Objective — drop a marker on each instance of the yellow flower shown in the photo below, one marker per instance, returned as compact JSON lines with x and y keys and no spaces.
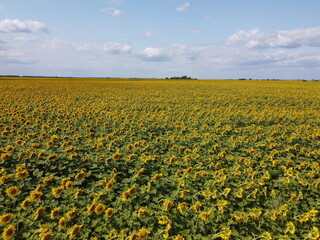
{"x":226,"y":191}
{"x":46,"y":236}
{"x":196,"y":207}
{"x":163,"y":220}
{"x":69,"y":184}
{"x":143,"y":233}
{"x":25,"y":203}
{"x":39,"y":212}
{"x":35,"y":196}
{"x":179,"y":237}
{"x":225,"y":234}
{"x":72,"y":214}
{"x":139,"y":173}
{"x":54,"y":213}
{"x":62,"y":223}
{"x":167,"y":205}
{"x":204,"y":215}
{"x":52,"y":157}
{"x":267,"y":236}
{"x":91,"y":208}
{"x":255,"y":213}
{"x":6,"y":218}
{"x":13,"y":191}
{"x":141,"y":212}
{"x":184,"y":193}
{"x":99,"y":209}
{"x":80,"y":175}
{"x":77,"y":193}
{"x":22,"y":174}
{"x":157,"y":177}
{"x":181,"y":207}
{"x":109,"y":185}
{"x":167,"y":231}
{"x":108,"y":212}
{"x":9,"y":232}
{"x":314,"y":234}
{"x":56,"y":192}
{"x":222,"y":205}
{"x":75,"y":230}
{"x":312,"y":214}
{"x":290,"y":227}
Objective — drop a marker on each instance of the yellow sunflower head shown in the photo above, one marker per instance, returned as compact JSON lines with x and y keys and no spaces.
{"x":13,"y":191}
{"x":9,"y":232}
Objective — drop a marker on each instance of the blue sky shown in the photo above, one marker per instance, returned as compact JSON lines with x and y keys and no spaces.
{"x":143,"y":38}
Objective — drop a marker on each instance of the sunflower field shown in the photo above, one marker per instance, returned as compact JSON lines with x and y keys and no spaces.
{"x":159,"y":159}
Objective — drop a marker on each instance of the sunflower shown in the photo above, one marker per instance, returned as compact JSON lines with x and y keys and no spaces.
{"x":181,"y":207}
{"x":6,"y":218}
{"x":47,"y":236}
{"x":143,"y":233}
{"x":108,"y":212}
{"x":167,"y":205}
{"x":56,"y":192}
{"x":179,"y":237}
{"x":10,"y":148}
{"x":69,"y":184}
{"x":77,"y":193}
{"x":290,"y":227}
{"x":39,"y":212}
{"x":314,"y":234}
{"x":204,"y":215}
{"x":157,"y":177}
{"x":80,"y":175}
{"x":184,"y":193}
{"x":13,"y":191}
{"x":72,"y":214}
{"x":6,"y":178}
{"x":91,"y":208}
{"x":48,"y":179}
{"x":109,"y":185}
{"x":75,"y":230}
{"x":25,"y":203}
{"x":35,"y":196}
{"x":62,"y":223}
{"x":22,"y":174}
{"x":116,"y":156}
{"x":196,"y":207}
{"x":52,"y":156}
{"x":54,"y":213}
{"x":141,"y":212}
{"x":225,"y":233}
{"x":8,"y":232}
{"x":99,"y":209}
{"x":5,"y":156}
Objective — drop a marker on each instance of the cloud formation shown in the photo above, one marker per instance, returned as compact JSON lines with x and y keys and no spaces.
{"x":15,"y":25}
{"x":113,"y":11}
{"x":116,"y":48}
{"x":154,"y":54}
{"x":183,"y":7}
{"x":147,"y":35}
{"x":309,"y":37}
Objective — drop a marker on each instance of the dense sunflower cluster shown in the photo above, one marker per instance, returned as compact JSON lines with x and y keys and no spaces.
{"x":159,"y":159}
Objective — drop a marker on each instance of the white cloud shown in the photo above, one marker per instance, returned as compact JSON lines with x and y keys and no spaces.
{"x":116,"y":48}
{"x":154,"y":54}
{"x":281,"y":39}
{"x":193,"y":30}
{"x":183,"y":7}
{"x":113,"y":11}
{"x":15,"y":25}
{"x":147,"y":35}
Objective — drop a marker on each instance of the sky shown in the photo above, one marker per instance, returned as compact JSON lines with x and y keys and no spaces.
{"x":204,"y":39}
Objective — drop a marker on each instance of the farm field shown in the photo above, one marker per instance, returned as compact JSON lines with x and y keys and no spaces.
{"x":159,"y":159}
